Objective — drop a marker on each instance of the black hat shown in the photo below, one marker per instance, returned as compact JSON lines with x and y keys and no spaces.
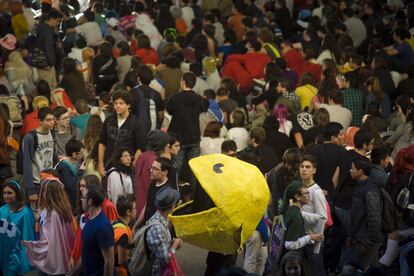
{"x":157,"y":140}
{"x":166,"y":198}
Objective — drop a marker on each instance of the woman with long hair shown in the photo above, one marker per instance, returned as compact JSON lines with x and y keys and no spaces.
{"x":234,"y":94}
{"x":92,"y":133}
{"x":164,"y":20}
{"x":72,"y":80}
{"x":377,"y":95}
{"x":329,"y":49}
{"x":51,"y":253}
{"x":21,"y":222}
{"x":87,"y":56}
{"x":120,"y":174}
{"x":20,"y":74}
{"x":380,"y":70}
{"x":281,"y":175}
{"x":104,"y":69}
{"x":92,"y":161}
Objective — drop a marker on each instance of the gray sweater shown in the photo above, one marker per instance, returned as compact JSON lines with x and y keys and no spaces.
{"x":36,"y":159}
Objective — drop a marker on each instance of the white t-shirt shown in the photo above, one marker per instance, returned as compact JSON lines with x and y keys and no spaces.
{"x":188,"y":16}
{"x":356,"y":30}
{"x":91,"y":32}
{"x":210,"y":145}
{"x":338,"y":114}
{"x":76,"y":54}
{"x":240,"y":136}
{"x":286,"y":127}
{"x":200,"y":86}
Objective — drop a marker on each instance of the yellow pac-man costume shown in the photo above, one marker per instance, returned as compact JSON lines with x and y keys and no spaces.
{"x":239,"y":195}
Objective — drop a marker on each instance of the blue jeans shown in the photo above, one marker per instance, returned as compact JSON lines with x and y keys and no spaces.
{"x":186,"y":153}
{"x":405,"y":269}
{"x":340,"y":257}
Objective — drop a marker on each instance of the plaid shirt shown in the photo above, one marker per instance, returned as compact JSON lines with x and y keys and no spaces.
{"x":291,"y":101}
{"x":159,"y":242}
{"x":354,"y":101}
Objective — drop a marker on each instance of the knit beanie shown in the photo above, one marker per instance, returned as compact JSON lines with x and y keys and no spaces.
{"x":290,"y":192}
{"x":157,"y":140}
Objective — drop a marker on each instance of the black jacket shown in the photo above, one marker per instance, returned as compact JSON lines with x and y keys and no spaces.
{"x":45,"y":41}
{"x":131,"y":134}
{"x":185,"y":108}
{"x":366,"y":213}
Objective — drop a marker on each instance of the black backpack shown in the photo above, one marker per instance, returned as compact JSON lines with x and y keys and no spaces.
{"x":390,"y":216}
{"x":146,"y":109}
{"x":19,"y":156}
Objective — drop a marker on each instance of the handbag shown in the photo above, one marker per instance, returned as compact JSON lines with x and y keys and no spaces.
{"x":39,"y":59}
{"x":173,"y":269}
{"x":404,"y":196}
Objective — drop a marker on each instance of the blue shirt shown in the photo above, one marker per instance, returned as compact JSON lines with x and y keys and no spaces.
{"x":15,"y":227}
{"x":405,"y":54}
{"x":97,"y":234}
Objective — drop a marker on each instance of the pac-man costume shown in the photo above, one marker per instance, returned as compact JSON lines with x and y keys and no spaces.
{"x":239,"y":195}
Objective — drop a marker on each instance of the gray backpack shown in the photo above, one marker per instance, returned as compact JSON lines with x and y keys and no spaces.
{"x":140,"y":264}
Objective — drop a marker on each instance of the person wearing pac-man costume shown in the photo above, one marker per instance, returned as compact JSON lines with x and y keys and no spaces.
{"x":215,"y":220}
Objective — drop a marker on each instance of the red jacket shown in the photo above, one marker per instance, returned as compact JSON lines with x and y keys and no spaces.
{"x":244,"y":68}
{"x":295,"y":60}
{"x":314,"y":69}
{"x":148,"y":56}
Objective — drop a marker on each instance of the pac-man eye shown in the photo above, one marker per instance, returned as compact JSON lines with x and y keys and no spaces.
{"x":217,"y":168}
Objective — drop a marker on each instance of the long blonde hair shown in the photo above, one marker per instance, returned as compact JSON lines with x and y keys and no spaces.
{"x":21,"y":69}
{"x":87,"y":56}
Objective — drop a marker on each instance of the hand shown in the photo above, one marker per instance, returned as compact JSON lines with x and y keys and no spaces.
{"x":316,"y":237}
{"x":71,"y":263}
{"x":177,"y":243}
{"x":325,"y":192}
{"x":101,"y":169}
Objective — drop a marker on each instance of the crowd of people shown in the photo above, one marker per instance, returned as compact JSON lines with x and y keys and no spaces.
{"x":103,"y":103}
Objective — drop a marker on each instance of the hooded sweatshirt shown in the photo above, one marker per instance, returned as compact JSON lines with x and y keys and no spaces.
{"x":185,"y":108}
